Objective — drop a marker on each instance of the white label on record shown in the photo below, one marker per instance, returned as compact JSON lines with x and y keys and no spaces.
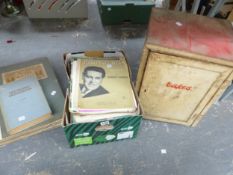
{"x":125,"y":135}
{"x":21,"y":118}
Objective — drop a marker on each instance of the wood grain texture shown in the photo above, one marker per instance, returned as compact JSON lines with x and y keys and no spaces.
{"x":218,"y":93}
{"x":141,"y":69}
{"x":177,"y":89}
{"x":230,"y":17}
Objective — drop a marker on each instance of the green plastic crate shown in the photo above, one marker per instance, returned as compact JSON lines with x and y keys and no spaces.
{"x":121,"y":11}
{"x":87,"y":134}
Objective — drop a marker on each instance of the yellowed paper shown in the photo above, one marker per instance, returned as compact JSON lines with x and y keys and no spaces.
{"x":102,"y":84}
{"x":37,"y":70}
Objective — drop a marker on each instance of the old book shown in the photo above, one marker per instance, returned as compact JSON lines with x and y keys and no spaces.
{"x":23,"y":104}
{"x":101,"y":86}
{"x":37,"y":69}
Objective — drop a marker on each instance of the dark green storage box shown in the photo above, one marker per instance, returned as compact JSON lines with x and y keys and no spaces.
{"x":121,"y":11}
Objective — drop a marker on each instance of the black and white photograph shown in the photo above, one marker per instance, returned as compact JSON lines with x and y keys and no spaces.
{"x":92,"y":77}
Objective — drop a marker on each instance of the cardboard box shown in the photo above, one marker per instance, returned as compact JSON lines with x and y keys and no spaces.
{"x":120,"y":11}
{"x":101,"y":131}
{"x":51,"y":89}
{"x":187,"y":63}
{"x":56,"y":9}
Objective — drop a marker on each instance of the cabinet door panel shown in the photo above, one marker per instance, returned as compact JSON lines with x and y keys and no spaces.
{"x":174,"y":88}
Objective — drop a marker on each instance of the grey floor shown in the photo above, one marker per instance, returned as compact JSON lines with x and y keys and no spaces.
{"x":159,"y":149}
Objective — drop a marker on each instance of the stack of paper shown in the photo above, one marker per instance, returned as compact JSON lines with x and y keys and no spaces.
{"x":101,"y":89}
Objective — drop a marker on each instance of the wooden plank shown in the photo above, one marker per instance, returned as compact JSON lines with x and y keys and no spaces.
{"x":217,"y":89}
{"x":220,"y":91}
{"x":230,"y":17}
{"x":149,"y":117}
{"x":189,"y":55}
{"x":141,"y":68}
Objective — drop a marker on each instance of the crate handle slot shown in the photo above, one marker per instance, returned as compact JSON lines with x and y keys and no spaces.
{"x":104,"y":127}
{"x":127,"y":21}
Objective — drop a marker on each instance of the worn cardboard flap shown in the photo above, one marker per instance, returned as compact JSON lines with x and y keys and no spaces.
{"x":94,"y":53}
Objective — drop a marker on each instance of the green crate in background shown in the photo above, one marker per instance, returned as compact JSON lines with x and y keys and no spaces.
{"x":119,"y":11}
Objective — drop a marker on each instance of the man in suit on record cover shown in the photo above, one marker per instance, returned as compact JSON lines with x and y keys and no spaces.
{"x":92,"y":78}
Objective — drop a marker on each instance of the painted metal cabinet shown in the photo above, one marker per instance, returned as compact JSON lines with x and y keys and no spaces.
{"x":187,"y":63}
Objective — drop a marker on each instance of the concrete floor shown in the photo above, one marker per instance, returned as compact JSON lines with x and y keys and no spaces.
{"x":159,"y":149}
